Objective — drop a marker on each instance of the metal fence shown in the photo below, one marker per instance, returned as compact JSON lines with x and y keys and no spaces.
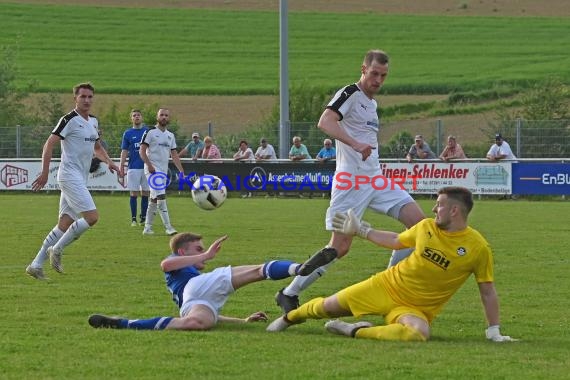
{"x":528,"y":139}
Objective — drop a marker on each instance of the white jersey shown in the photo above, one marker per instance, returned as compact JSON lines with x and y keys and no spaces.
{"x":358,"y":118}
{"x":78,"y":136}
{"x":159,"y":146}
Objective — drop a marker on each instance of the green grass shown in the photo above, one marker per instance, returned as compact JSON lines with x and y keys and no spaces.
{"x":113,"y":269}
{"x":190,"y":51}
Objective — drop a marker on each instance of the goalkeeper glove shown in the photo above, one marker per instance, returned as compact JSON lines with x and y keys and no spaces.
{"x":350,"y":225}
{"x":494,"y":334}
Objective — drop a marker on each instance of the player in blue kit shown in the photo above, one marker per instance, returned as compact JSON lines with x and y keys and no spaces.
{"x":200,"y":296}
{"x":136,"y":179}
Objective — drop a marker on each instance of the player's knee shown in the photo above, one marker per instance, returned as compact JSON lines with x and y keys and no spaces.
{"x":92,"y":219}
{"x":193,"y":323}
{"x":418,"y":329}
{"x":341,"y":248}
{"x":416,"y":333}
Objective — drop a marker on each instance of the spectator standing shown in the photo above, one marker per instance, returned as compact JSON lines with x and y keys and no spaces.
{"x":420,"y":150}
{"x":452,"y":150}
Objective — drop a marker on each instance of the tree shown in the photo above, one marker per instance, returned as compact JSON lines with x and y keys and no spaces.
{"x":544,"y":119}
{"x":398,"y":145}
{"x":12,"y":107}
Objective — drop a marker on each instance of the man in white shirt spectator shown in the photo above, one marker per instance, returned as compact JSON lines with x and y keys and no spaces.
{"x":265,"y":151}
{"x":500,"y":150}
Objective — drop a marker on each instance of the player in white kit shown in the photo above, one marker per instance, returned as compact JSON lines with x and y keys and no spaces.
{"x":351,"y":119}
{"x":77,"y":132}
{"x":158,"y":144}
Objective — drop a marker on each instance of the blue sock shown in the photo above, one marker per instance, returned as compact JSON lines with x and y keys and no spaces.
{"x":133,"y":207}
{"x":158,"y":323}
{"x":144,"y":206}
{"x":279,"y":269}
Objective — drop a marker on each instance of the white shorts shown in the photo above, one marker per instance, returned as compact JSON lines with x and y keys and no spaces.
{"x":210,"y":289}
{"x":136,"y":180}
{"x":74,"y":199}
{"x":157,"y":182}
{"x":388,"y":200}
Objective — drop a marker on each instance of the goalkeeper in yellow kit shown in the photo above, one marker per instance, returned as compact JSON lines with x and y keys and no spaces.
{"x":412,"y":293}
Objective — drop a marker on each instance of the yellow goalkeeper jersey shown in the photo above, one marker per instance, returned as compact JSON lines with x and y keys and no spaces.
{"x":441,"y":262}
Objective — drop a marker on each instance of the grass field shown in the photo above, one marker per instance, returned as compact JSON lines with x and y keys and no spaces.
{"x":113,"y":269}
{"x":199,"y":51}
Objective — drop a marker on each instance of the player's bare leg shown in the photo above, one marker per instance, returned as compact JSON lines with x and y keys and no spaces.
{"x":288,"y":298}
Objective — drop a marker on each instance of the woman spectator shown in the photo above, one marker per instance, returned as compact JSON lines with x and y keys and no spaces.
{"x":452,"y":150}
{"x":210,"y":151}
{"x":244,"y":153}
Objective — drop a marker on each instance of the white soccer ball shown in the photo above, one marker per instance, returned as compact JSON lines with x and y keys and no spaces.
{"x":209,"y":192}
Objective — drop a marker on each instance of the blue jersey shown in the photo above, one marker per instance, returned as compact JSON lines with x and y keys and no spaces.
{"x":132,"y":142}
{"x":176,"y":280}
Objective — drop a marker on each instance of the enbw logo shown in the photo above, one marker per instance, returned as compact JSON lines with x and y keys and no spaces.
{"x":436,"y":257}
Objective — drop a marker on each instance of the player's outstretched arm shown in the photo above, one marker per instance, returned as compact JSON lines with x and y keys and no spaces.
{"x":258,"y":316}
{"x":177,"y":262}
{"x":348,"y":223}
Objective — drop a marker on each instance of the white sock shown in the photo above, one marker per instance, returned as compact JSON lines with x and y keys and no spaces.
{"x":301,"y":283}
{"x":163,"y":209}
{"x":399,"y":255}
{"x":293,"y":268}
{"x":51,"y":239}
{"x":74,"y":231}
{"x":150,"y":213}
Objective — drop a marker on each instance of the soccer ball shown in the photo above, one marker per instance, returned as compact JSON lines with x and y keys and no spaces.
{"x":209,"y":192}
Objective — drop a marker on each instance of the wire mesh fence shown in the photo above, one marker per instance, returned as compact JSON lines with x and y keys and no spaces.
{"x":528,"y":139}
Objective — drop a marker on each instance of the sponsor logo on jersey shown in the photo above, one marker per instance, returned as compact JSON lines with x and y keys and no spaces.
{"x":436,"y":257}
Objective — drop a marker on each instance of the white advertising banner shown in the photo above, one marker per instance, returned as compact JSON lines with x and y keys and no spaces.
{"x":416,"y":177}
{"x":19,"y":175}
{"x":429,"y":177}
